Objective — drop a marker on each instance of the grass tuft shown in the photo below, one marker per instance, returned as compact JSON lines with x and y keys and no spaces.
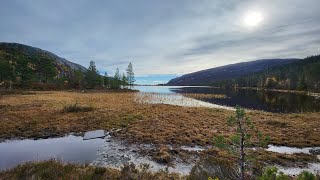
{"x":75,"y":107}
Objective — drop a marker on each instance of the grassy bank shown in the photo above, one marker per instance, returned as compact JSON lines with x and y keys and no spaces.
{"x":43,"y":114}
{"x":57,"y":170}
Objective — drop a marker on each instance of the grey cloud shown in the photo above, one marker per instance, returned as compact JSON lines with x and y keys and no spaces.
{"x":162,"y":37}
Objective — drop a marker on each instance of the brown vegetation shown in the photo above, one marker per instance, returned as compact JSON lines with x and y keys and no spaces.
{"x":39,"y":114}
{"x":57,"y":170}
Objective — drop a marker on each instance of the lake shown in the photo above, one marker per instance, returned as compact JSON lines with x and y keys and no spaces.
{"x":270,"y":101}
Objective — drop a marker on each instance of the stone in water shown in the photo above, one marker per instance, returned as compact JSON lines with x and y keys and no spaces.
{"x":94,"y":134}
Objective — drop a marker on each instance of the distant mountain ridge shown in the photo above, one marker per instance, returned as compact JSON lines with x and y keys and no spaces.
{"x":212,"y":75}
{"x":61,"y":63}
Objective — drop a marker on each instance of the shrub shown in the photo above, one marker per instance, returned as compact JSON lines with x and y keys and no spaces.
{"x":272,"y":173}
{"x":214,"y":167}
{"x":305,"y":175}
{"x":163,"y":155}
{"x":75,"y":107}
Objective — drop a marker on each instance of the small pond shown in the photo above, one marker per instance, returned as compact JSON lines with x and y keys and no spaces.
{"x":69,"y":149}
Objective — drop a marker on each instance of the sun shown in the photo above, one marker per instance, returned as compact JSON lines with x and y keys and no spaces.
{"x":253,"y":18}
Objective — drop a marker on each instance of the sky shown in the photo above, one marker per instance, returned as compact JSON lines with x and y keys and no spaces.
{"x":164,"y":39}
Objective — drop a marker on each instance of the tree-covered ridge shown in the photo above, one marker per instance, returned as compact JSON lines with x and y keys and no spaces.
{"x":28,"y":64}
{"x":19,"y":67}
{"x":227,"y":72}
{"x":23,"y":66}
{"x":299,"y":75}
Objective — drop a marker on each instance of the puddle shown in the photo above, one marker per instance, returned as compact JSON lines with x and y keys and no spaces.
{"x":289,"y":150}
{"x":68,"y":149}
{"x":107,"y":152}
{"x":196,"y":148}
{"x":311,"y":167}
{"x":111,"y":152}
{"x":174,"y":99}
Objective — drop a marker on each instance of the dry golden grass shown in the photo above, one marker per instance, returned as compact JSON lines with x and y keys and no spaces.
{"x":41,"y":115}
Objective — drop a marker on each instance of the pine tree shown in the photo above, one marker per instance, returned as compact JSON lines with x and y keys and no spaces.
{"x":92,"y":77}
{"x":116,"y":81}
{"x":242,"y":138}
{"x":77,"y":79}
{"x":44,"y":68}
{"x":6,"y":72}
{"x":130,"y":75}
{"x":106,"y":80}
{"x":124,"y":80}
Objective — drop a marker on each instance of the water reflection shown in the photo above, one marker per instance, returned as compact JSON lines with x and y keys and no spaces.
{"x":69,"y":149}
{"x":271,"y":101}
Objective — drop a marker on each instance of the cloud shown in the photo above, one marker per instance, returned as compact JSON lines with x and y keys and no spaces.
{"x":162,"y":37}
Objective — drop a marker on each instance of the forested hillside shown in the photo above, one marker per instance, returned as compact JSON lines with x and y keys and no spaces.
{"x":26,"y":67}
{"x":227,"y":72}
{"x":300,"y":75}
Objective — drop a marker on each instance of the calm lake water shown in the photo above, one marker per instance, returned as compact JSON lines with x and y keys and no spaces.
{"x":279,"y":102}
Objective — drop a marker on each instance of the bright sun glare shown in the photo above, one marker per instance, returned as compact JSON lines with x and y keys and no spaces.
{"x":253,"y":18}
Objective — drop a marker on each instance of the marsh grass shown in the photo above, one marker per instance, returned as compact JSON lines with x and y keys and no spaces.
{"x":40,"y":115}
{"x":53,"y":169}
{"x":76,"y":107}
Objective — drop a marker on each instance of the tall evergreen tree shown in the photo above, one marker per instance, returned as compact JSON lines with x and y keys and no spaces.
{"x":44,"y":68}
{"x":106,"y":80}
{"x":92,"y":77}
{"x":124,"y":80}
{"x":6,"y":71}
{"x":77,"y":79}
{"x":130,"y":75}
{"x":116,"y":81}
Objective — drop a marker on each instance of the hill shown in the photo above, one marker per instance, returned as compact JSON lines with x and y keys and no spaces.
{"x":24,"y":65}
{"x":210,"y":76}
{"x":288,"y":74}
{"x":29,"y":52}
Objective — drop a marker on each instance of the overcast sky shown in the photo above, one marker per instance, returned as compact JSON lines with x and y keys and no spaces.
{"x":164,"y":38}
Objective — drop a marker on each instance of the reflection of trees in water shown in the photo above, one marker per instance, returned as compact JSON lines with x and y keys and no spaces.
{"x":270,"y":99}
{"x":261,"y":100}
{"x":289,"y":102}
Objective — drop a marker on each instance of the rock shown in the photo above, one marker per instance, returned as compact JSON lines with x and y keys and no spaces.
{"x":315,"y":151}
{"x":94,"y":134}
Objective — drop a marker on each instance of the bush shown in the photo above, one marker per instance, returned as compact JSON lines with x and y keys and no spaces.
{"x":75,"y":107}
{"x":163,"y":155}
{"x":214,"y":167}
{"x":305,"y":175}
{"x":272,"y":173}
